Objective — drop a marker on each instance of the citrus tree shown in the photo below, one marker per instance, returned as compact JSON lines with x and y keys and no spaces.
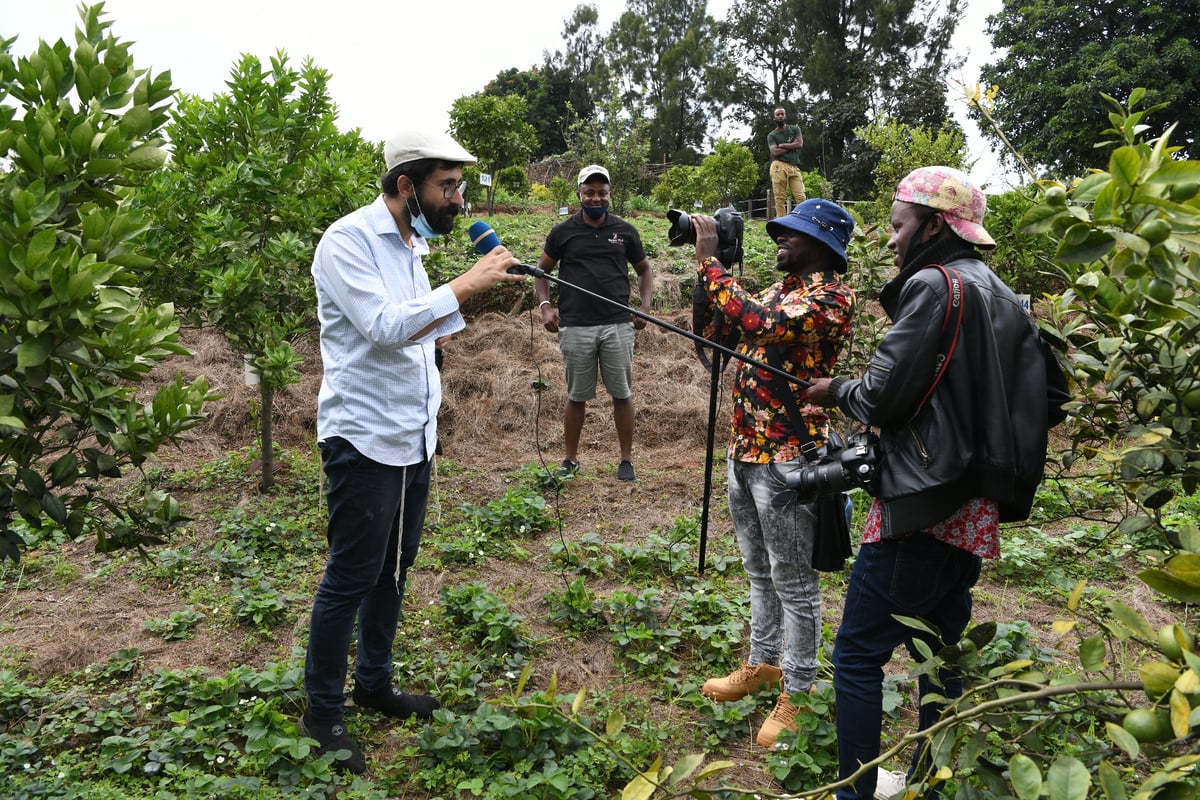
{"x":494,"y":130}
{"x":256,"y":176}
{"x":1129,"y":245}
{"x":78,"y":127}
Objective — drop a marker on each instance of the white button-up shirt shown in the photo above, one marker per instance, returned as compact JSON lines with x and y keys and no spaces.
{"x":381,"y":390}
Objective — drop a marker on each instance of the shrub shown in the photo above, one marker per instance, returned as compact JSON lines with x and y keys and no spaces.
{"x":513,"y":180}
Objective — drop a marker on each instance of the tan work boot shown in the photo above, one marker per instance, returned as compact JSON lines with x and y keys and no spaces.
{"x":743,"y":681}
{"x":783,"y":718}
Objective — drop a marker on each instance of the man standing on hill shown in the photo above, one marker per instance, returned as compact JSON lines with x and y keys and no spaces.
{"x":377,"y":421}
{"x":595,"y":247}
{"x":957,"y":389}
{"x":784,"y":143}
{"x":797,"y":325}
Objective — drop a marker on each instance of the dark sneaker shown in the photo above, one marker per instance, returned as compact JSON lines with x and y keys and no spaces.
{"x":568,"y":469}
{"x":395,"y":703}
{"x":625,"y":471}
{"x":332,"y":738}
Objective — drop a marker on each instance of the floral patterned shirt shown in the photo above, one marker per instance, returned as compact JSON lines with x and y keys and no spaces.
{"x":806,"y":318}
{"x":975,"y":527}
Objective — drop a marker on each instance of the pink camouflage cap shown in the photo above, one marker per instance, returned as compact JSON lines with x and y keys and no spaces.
{"x":951,"y":192}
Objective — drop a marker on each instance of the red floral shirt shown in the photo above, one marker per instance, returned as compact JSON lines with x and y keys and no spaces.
{"x":975,"y":527}
{"x":806,"y":318}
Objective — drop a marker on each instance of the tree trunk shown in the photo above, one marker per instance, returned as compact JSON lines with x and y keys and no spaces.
{"x":267,"y":456}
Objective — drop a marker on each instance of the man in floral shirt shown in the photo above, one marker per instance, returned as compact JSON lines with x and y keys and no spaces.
{"x":798,"y":325}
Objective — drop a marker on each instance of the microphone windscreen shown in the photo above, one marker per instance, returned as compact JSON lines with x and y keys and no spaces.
{"x":483,"y":237}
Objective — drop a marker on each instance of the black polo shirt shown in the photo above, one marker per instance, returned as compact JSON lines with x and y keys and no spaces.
{"x":595,"y":259}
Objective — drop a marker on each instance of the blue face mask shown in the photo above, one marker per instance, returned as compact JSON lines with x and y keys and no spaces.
{"x":421,"y":226}
{"x":596,"y":212}
{"x":419,"y":223}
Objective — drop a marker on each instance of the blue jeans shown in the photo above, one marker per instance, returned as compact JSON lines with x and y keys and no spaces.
{"x":376,"y":513}
{"x":917,"y":576}
{"x":775,"y":534}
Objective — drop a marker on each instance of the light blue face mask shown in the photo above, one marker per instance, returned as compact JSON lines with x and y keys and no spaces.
{"x":421,"y":226}
{"x":419,"y":223}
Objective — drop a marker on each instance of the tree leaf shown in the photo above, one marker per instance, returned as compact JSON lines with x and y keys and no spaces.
{"x":1123,"y":739}
{"x":1180,"y":709}
{"x":1124,"y":165}
{"x":1093,"y":653}
{"x":685,"y":767}
{"x":1026,"y":777}
{"x":1068,"y":779}
{"x":1131,"y":620}
{"x":1170,"y":585}
{"x":1093,"y":246}
{"x":1110,"y":779}
{"x":642,"y":786}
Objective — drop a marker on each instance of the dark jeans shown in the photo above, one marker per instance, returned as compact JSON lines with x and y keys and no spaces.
{"x":367,"y":501}
{"x":917,"y":576}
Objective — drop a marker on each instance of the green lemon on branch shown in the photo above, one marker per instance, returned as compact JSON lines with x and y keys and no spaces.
{"x":1147,"y":725}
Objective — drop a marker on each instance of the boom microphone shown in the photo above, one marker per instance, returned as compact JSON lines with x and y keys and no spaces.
{"x":485,"y":241}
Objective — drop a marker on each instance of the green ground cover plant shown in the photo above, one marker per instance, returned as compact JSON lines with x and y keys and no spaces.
{"x":563,"y":623}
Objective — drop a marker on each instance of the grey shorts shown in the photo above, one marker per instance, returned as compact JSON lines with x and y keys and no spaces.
{"x":607,"y":349}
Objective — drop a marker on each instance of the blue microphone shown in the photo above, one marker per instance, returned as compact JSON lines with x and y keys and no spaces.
{"x":485,"y":241}
{"x":483,"y":237}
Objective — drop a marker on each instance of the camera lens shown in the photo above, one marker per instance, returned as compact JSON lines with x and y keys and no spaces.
{"x":681,"y":231}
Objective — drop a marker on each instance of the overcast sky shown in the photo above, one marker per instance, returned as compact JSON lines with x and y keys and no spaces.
{"x":394,"y":63}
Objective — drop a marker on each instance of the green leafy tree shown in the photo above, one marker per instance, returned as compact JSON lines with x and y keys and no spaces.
{"x":494,"y":130}
{"x":1129,"y":245}
{"x":730,"y":171}
{"x":764,"y":42}
{"x":619,"y":142}
{"x":898,"y":149}
{"x":723,"y":176}
{"x":256,"y":176}
{"x":549,"y":94}
{"x":581,"y":60}
{"x":78,"y":128}
{"x":1049,"y":99}
{"x":664,"y":59}
{"x":761,"y":42}
{"x":681,"y":187}
{"x":866,"y":60}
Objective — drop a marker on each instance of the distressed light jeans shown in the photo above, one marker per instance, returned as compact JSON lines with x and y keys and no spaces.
{"x":775,"y":535}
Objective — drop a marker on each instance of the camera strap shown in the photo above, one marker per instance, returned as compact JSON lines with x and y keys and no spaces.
{"x":954,"y":310}
{"x":808,"y":445}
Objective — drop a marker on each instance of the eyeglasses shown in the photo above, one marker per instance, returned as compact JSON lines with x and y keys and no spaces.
{"x":451,"y":187}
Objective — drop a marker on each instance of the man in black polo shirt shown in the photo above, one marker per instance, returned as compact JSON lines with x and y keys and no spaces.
{"x":594,"y":248}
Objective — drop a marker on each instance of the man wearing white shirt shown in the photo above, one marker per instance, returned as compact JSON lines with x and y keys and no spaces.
{"x":377,"y":421}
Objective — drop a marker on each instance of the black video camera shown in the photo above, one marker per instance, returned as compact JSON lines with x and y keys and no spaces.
{"x":842,"y":467}
{"x":730,"y":227}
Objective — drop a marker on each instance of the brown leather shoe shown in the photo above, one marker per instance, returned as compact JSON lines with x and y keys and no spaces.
{"x":783,"y":718}
{"x":744,"y":680}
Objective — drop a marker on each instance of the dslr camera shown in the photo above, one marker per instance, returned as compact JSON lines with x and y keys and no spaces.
{"x":844,"y":466}
{"x":730,"y":226}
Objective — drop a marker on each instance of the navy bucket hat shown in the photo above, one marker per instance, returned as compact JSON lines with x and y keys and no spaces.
{"x":823,"y":220}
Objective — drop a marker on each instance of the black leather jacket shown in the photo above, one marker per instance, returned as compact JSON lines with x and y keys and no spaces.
{"x":982,"y":431}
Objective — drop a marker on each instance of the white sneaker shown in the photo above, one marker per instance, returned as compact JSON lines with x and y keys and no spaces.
{"x":890,"y":785}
